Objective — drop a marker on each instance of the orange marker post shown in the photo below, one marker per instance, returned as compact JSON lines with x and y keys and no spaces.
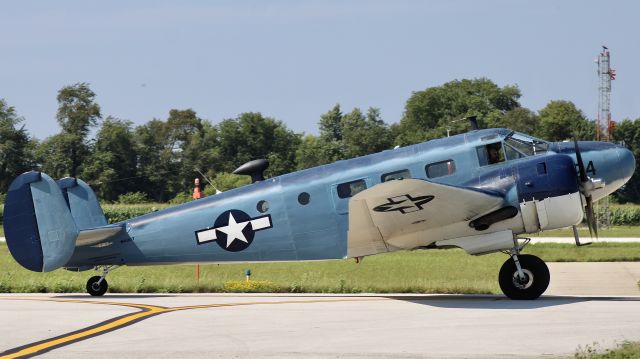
{"x":197,"y":194}
{"x":197,"y":276}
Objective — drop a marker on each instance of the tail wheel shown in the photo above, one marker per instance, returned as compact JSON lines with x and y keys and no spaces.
{"x":535,"y":282}
{"x":95,"y":287}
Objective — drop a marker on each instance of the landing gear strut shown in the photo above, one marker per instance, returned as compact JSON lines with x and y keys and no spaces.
{"x":97,"y":285}
{"x":523,"y":276}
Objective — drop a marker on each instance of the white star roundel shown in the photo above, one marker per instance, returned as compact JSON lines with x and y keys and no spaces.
{"x":233,"y":230}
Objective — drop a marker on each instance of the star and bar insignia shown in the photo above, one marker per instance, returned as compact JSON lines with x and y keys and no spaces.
{"x":234,"y":230}
{"x":404,"y":204}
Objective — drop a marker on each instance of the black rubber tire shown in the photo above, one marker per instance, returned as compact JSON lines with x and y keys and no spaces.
{"x":96,"y":289}
{"x":530,"y":264}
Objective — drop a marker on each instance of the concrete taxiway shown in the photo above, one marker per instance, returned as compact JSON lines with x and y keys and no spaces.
{"x":573,"y":313}
{"x":249,"y":326}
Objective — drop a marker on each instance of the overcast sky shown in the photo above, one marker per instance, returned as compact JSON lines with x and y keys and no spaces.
{"x":293,"y":60}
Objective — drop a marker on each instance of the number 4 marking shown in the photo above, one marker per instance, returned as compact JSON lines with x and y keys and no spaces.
{"x":591,"y":168}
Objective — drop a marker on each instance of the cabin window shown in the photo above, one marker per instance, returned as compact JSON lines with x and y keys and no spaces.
{"x":441,"y":169}
{"x":350,"y":189}
{"x":304,"y":198}
{"x":490,"y":154}
{"x":262,"y":206}
{"x":397,"y":175}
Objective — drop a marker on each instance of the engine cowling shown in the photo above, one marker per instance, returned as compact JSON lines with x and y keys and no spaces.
{"x":548,"y":193}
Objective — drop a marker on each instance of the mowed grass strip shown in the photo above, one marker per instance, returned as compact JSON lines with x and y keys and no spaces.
{"x":420,"y":271}
{"x":622,"y":351}
{"x":583,"y":232}
{"x":595,"y":252}
{"x":441,"y":271}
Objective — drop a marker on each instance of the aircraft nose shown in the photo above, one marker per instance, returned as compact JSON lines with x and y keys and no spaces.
{"x":613,"y":164}
{"x":626,"y":163}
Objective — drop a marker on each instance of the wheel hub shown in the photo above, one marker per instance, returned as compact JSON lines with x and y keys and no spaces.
{"x":525,"y":282}
{"x":95,"y":286}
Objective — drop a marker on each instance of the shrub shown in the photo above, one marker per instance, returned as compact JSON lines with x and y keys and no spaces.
{"x":119,"y":213}
{"x":251,"y":286}
{"x":63,"y":286}
{"x":625,"y":215}
{"x":182,"y":197}
{"x":133,"y":198}
{"x":6,"y":283}
{"x":226,"y":181}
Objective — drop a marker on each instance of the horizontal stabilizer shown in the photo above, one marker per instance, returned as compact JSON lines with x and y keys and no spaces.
{"x":90,"y":237}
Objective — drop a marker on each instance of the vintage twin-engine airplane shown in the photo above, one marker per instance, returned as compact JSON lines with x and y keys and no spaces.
{"x":479,"y":191}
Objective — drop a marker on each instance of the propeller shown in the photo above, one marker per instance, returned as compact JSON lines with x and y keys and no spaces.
{"x":586,"y":186}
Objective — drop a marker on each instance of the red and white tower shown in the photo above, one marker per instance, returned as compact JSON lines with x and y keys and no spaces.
{"x":605,"y":74}
{"x":605,"y":126}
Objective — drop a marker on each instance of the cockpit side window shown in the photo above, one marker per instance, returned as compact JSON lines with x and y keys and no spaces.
{"x":512,"y":153}
{"x":491,"y":153}
{"x":526,"y":146}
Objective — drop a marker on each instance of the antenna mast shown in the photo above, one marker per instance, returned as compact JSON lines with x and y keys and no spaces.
{"x":605,"y":74}
{"x":604,"y":125}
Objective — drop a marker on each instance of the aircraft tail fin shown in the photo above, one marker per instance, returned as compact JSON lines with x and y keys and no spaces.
{"x":39,"y":228}
{"x":83,"y":203}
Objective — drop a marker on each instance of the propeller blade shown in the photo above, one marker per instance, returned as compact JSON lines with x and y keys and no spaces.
{"x":581,"y":169}
{"x":591,"y":218}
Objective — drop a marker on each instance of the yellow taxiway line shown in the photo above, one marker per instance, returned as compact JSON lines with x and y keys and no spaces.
{"x":146,"y":311}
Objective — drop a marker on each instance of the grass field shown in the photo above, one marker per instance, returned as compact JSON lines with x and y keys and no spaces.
{"x":623,"y":351}
{"x":421,"y":271}
{"x":583,"y":232}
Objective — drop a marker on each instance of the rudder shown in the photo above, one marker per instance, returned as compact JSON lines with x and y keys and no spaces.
{"x":39,"y":229}
{"x":83,"y":203}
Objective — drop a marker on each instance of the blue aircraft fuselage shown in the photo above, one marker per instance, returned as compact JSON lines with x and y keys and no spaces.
{"x":304,"y":215}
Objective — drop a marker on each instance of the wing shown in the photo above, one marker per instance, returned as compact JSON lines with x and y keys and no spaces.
{"x":406,"y":213}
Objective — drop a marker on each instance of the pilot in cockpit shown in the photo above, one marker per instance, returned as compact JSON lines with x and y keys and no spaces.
{"x":493,"y":152}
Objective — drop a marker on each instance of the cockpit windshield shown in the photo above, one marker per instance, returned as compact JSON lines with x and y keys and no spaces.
{"x":518,"y":145}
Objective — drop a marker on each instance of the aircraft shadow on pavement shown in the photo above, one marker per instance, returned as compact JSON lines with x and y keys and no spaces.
{"x":501,"y":302}
{"x":113,"y":296}
{"x":479,"y":301}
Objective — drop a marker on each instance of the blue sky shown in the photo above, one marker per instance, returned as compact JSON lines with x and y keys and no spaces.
{"x":293,"y":60}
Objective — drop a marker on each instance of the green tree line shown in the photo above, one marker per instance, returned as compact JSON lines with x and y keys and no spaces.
{"x":160,"y":159}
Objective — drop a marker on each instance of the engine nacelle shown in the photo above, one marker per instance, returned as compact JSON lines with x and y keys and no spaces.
{"x":548,"y":193}
{"x":552,"y":212}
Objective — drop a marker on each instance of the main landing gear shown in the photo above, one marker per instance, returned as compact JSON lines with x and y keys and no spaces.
{"x":97,"y":285}
{"x":523,"y":276}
